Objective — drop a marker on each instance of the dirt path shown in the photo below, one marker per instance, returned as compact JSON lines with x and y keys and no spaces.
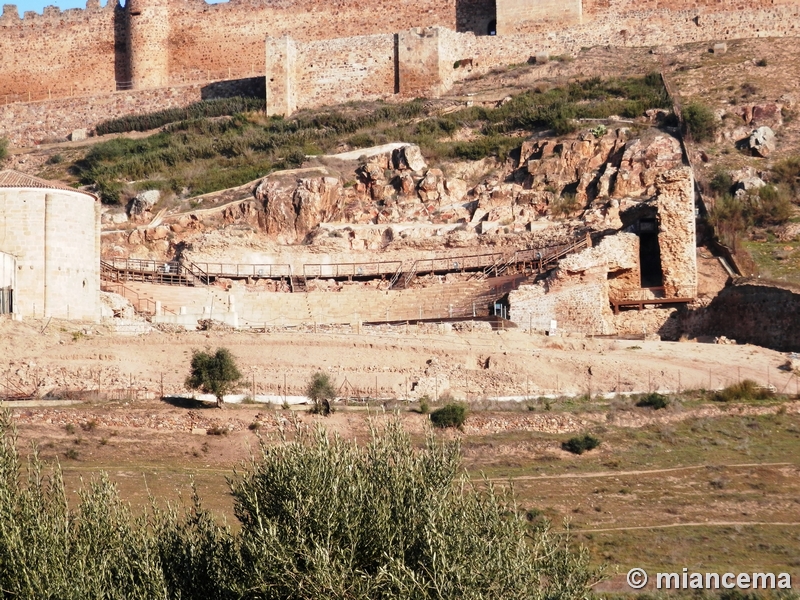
{"x":642,"y":472}
{"x":698,"y":524}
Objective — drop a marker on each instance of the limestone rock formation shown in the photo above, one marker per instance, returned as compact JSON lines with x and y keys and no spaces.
{"x":762,"y":142}
{"x":293,"y":205}
{"x":143,"y":202}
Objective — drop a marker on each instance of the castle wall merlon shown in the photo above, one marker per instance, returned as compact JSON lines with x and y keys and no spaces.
{"x":10,"y":12}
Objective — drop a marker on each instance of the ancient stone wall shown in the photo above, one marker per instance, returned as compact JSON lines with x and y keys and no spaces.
{"x":523,"y":16}
{"x":25,"y":124}
{"x":750,"y":311}
{"x":60,"y":53}
{"x":316,"y":71}
{"x":172,"y":42}
{"x":576,"y":294}
{"x":54,"y":236}
{"x":676,"y":235}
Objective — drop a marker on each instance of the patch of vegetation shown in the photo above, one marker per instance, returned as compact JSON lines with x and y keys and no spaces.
{"x":202,"y":155}
{"x":565,"y":204}
{"x":89,"y":425}
{"x":217,"y":430}
{"x":213,"y":373}
{"x":580,"y":444}
{"x":424,"y":405}
{"x":321,"y":392}
{"x":701,"y":124}
{"x":450,"y":415}
{"x":320,"y":517}
{"x":744,"y":390}
{"x":787,"y":172}
{"x":732,"y":215}
{"x":653,"y":400}
{"x":218,"y":107}
{"x":3,"y":148}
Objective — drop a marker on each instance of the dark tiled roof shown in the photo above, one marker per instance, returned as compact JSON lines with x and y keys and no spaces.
{"x":14,"y":179}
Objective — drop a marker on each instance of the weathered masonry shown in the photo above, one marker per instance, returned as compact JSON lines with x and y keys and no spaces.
{"x":66,"y":71}
{"x":49,"y":249}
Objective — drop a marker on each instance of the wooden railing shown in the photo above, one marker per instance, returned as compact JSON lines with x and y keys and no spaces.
{"x":141,"y":304}
{"x":341,"y":270}
{"x":186,"y":272}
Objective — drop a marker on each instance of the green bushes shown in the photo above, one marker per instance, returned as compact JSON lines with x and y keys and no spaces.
{"x":450,"y":415}
{"x":203,"y":154}
{"x":215,"y":373}
{"x":3,"y":148}
{"x":320,"y":517}
{"x":580,"y":444}
{"x":744,"y":390}
{"x":733,"y":215}
{"x":653,"y":400}
{"x":206,"y":108}
{"x":700,"y":121}
{"x":321,"y":392}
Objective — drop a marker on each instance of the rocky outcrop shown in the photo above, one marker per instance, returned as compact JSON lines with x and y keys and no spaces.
{"x":296,"y":202}
{"x":590,"y":173}
{"x":762,"y":142}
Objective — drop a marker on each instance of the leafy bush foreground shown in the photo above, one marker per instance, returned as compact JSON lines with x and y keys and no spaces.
{"x":580,"y":444}
{"x":320,"y":517}
{"x":450,"y":415}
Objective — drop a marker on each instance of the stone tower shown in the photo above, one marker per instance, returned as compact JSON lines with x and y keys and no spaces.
{"x":148,"y":41}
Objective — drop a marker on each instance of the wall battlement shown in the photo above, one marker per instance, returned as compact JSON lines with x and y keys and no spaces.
{"x":337,"y":51}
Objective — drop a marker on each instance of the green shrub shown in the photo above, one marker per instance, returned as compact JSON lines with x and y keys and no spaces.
{"x":653,"y":400}
{"x":565,"y":205}
{"x":3,"y":148}
{"x":744,"y":390}
{"x":700,"y":121}
{"x":450,"y":415}
{"x":213,"y":373}
{"x":771,"y":207}
{"x":424,"y":405}
{"x":722,"y":182}
{"x":321,"y":392}
{"x":386,"y":521}
{"x":580,"y":444}
{"x":206,"y":108}
{"x":319,"y":516}
{"x":787,"y":172}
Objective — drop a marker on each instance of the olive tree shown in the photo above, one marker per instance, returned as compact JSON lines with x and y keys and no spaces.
{"x":215,"y":373}
{"x":320,"y":391}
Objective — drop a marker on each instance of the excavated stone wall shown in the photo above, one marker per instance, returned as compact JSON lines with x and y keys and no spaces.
{"x":677,"y":234}
{"x":750,"y":311}
{"x":575,"y":296}
{"x":578,"y":293}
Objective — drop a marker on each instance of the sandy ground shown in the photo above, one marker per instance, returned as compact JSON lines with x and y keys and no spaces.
{"x":470,"y":365}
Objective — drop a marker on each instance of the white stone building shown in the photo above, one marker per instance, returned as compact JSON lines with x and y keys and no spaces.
{"x":49,"y":249}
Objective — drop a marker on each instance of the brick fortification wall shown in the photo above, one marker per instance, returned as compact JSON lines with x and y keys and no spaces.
{"x":611,"y":23}
{"x":54,"y":236}
{"x":71,"y":52}
{"x":152,"y":43}
{"x":28,"y":123}
{"x":342,"y":50}
{"x":751,"y":311}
